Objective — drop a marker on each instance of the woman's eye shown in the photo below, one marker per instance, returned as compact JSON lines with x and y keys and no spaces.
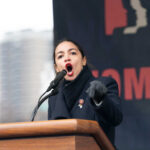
{"x":60,"y":56}
{"x":73,"y":53}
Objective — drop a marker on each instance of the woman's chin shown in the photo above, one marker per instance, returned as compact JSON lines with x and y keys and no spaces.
{"x":70,"y":78}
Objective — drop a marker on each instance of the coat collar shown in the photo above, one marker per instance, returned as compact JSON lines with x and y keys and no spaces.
{"x":73,"y":89}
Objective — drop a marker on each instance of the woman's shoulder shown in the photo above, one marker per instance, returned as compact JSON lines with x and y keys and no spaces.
{"x":52,"y":100}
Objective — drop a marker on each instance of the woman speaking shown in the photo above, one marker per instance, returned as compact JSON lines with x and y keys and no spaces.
{"x":80,"y":95}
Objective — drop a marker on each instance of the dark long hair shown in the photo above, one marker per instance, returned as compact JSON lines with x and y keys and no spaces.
{"x":68,"y":40}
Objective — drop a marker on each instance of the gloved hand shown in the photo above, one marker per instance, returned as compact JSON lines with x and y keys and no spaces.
{"x":96,"y":90}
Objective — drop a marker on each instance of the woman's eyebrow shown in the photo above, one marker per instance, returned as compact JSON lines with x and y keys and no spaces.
{"x":72,"y":49}
{"x":60,"y":52}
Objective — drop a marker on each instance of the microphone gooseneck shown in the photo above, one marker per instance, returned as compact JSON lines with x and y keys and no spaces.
{"x":52,"y":89}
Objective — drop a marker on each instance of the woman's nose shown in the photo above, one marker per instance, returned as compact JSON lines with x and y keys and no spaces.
{"x":67,"y":58}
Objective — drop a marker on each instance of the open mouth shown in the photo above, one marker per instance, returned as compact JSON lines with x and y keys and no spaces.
{"x":69,"y":69}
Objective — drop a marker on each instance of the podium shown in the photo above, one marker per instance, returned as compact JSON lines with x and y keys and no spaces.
{"x":66,"y":134}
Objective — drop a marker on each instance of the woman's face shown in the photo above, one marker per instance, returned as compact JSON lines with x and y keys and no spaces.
{"x":68,"y":57}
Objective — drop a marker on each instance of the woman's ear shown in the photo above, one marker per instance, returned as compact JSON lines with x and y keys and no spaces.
{"x":84,"y":61}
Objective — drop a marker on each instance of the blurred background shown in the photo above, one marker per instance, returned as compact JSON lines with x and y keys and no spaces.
{"x":115,"y":37}
{"x":26,"y":45}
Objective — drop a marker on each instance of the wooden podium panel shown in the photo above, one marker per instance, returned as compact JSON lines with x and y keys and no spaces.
{"x":67,"y":134}
{"x":51,"y":143}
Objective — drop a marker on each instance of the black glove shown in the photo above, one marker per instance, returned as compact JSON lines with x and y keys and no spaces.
{"x":96,"y":90}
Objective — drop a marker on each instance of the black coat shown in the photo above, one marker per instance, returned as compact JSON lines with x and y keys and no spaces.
{"x":66,"y":104}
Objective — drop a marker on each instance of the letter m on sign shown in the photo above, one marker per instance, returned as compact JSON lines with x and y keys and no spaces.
{"x":138,"y":86}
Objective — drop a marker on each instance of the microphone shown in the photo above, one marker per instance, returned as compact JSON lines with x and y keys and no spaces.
{"x":53,"y":87}
{"x":57,"y":79}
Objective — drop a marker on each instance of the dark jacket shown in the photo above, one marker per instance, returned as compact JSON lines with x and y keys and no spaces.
{"x":66,"y":104}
